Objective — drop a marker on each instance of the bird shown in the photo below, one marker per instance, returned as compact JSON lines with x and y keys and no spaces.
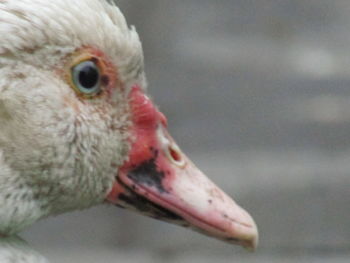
{"x":78,"y":127}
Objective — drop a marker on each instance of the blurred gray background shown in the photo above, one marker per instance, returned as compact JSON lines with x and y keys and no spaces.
{"x":258,"y":94}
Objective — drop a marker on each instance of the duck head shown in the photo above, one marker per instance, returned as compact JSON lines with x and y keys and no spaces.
{"x":78,"y":128}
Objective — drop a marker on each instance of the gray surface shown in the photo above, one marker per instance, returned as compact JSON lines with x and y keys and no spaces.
{"x":258,"y":93}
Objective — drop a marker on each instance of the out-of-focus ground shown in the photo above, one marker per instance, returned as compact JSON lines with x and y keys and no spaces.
{"x":258,"y":94}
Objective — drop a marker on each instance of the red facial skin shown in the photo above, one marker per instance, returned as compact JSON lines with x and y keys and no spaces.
{"x":145,"y":118}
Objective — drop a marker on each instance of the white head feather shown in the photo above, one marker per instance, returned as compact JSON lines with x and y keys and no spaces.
{"x":31,"y":25}
{"x":56,"y":152}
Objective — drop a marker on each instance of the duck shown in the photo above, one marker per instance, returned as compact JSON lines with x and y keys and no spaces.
{"x":78,"y":127}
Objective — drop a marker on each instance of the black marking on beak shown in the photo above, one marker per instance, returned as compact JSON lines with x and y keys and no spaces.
{"x":147,"y":174}
{"x":130,"y":199}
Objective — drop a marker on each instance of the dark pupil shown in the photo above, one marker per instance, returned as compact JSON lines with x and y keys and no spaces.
{"x":88,"y":76}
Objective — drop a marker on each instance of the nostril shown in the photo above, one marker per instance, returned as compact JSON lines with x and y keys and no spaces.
{"x":175,"y":155}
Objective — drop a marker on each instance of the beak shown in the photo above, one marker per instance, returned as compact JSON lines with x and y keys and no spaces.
{"x":158,"y":180}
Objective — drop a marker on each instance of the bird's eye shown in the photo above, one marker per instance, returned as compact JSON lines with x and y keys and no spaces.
{"x":87,"y":78}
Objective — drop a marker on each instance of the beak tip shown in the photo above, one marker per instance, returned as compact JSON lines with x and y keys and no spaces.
{"x":247,"y":233}
{"x":255,"y":236}
{"x":253,"y":242}
{"x":249,"y":244}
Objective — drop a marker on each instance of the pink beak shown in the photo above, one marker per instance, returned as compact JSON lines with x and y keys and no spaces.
{"x":160,"y":181}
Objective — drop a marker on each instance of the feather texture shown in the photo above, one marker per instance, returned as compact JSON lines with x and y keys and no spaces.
{"x":57,"y":152}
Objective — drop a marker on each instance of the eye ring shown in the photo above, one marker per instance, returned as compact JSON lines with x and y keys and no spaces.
{"x":86,"y":78}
